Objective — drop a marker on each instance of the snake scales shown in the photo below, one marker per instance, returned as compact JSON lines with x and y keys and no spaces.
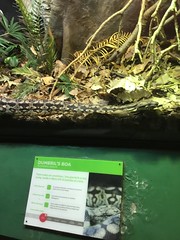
{"x":45,"y":108}
{"x":102,"y":218}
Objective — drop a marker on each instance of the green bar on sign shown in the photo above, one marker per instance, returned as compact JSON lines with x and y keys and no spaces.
{"x":81,"y":165}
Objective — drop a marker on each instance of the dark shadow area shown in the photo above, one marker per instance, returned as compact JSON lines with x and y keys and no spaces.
{"x":9,"y":9}
{"x":6,"y":238}
{"x":145,"y":130}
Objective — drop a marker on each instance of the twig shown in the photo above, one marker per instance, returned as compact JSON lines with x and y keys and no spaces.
{"x":157,"y":9}
{"x":176,"y":26}
{"x":170,"y":19}
{"x":4,"y":35}
{"x":139,"y":24}
{"x":119,"y":52}
{"x":90,"y":42}
{"x":148,"y":13}
{"x":161,"y":24}
{"x":161,"y":55}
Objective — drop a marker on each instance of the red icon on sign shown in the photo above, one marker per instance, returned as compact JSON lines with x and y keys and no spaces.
{"x":43,"y":217}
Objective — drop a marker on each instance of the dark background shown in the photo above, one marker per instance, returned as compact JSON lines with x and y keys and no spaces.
{"x":9,"y":9}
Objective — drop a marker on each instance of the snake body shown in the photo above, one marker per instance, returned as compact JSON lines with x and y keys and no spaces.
{"x":102,"y":217}
{"x":48,"y":107}
{"x":36,"y":108}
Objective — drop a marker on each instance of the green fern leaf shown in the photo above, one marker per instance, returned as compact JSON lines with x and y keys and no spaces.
{"x":26,"y":71}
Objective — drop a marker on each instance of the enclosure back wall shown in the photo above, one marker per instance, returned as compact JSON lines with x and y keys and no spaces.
{"x":74,"y":21}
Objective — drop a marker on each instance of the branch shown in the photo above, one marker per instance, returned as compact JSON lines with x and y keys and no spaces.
{"x":157,"y":9}
{"x":161,"y":24}
{"x":170,"y":19}
{"x":119,"y":52}
{"x":176,"y":25}
{"x":161,"y":55}
{"x":139,"y":24}
{"x":170,"y":9}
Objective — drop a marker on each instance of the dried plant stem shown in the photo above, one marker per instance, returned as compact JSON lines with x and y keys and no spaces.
{"x":157,"y":31}
{"x":170,"y":19}
{"x":119,"y":52}
{"x":176,"y":25}
{"x":139,"y":24}
{"x":155,"y":13}
{"x":161,"y":55}
{"x":120,"y":12}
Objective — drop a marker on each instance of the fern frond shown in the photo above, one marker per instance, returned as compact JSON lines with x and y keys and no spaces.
{"x":6,"y":47}
{"x":50,"y":55}
{"x":101,"y":51}
{"x":38,"y":22}
{"x":27,"y":18}
{"x":39,"y":37}
{"x":27,"y":87}
{"x":26,"y":71}
{"x":12,"y":29}
{"x":33,"y":22}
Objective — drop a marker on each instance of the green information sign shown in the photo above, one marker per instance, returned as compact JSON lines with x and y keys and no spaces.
{"x":79,"y":196}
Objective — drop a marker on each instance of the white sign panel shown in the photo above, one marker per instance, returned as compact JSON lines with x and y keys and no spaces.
{"x":64,"y":196}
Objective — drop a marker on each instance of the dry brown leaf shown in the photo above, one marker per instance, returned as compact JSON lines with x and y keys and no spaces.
{"x":63,"y":97}
{"x":105,"y":73}
{"x":88,"y":86}
{"x":124,"y":83}
{"x":175,"y":72}
{"x":139,"y":68}
{"x":47,"y":80}
{"x":74,"y":92}
{"x":98,"y":101}
{"x":129,"y":53}
{"x":58,"y":68}
{"x":93,"y":71}
{"x":82,"y":72}
{"x":12,"y":83}
{"x":96,"y":83}
{"x":3,"y":88}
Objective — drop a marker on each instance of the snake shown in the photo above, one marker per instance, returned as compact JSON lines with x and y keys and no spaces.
{"x":102,"y":216}
{"x":32,"y":109}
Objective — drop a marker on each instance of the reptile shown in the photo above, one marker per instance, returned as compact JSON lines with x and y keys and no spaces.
{"x":102,"y":216}
{"x":47,"y":108}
